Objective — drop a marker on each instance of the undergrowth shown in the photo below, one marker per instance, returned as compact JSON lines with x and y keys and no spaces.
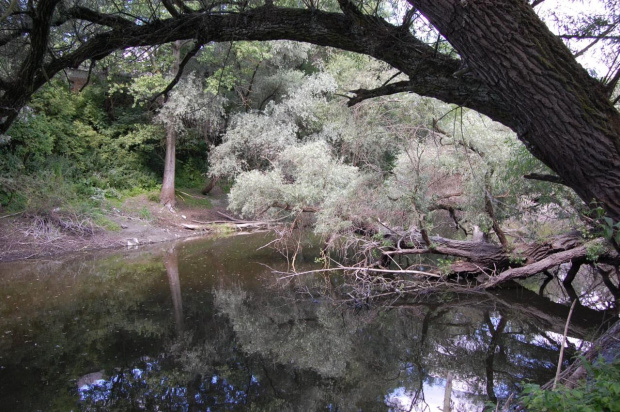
{"x":600,"y":392}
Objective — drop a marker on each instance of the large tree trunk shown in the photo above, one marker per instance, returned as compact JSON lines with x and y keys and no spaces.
{"x":563,"y":116}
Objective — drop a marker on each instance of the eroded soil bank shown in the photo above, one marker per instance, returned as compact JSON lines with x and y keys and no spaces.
{"x":135,"y":221}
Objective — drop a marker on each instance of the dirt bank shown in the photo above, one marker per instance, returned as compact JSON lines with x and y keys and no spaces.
{"x":134,"y":221}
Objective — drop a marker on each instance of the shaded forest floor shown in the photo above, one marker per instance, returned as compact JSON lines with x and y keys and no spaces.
{"x":128,"y":223}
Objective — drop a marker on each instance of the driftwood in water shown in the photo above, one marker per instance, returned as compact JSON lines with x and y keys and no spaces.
{"x":500,"y":263}
{"x":231,"y":223}
{"x":215,"y":226}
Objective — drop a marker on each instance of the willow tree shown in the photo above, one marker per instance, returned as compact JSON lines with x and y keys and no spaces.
{"x":503,"y":62}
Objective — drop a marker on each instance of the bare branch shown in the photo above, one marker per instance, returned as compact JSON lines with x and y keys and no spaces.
{"x":179,"y":73}
{"x":170,"y":7}
{"x":588,"y":36}
{"x":286,"y":206}
{"x":90,"y":71}
{"x":554,"y":260}
{"x":114,"y":22}
{"x":385,"y":90}
{"x":545,"y":178}
{"x":596,"y":40}
{"x":613,"y":82}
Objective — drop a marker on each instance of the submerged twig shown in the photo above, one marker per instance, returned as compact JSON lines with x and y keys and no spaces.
{"x":559,"y":369}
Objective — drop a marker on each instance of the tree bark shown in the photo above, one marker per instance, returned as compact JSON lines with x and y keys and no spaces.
{"x":561,"y":114}
{"x":486,"y":258}
{"x":167,"y":196}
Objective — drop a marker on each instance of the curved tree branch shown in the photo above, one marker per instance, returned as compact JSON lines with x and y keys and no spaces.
{"x":83,"y":13}
{"x":177,"y":77}
{"x":371,"y":36}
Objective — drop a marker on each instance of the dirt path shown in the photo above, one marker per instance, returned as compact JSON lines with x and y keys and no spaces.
{"x":135,"y":222}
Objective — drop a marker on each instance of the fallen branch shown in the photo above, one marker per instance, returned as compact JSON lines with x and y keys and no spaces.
{"x":361,"y":269}
{"x":12,"y":214}
{"x":232,"y":225}
{"x":538,"y":267}
{"x":234,"y":219}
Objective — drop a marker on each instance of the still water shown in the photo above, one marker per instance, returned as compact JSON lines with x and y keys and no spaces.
{"x":202,"y":325}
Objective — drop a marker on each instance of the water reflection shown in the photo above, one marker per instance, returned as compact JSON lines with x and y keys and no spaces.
{"x":171,"y":262}
{"x":193,"y":327}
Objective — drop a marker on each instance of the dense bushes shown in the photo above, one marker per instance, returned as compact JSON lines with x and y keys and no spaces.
{"x":72,"y":148}
{"x":600,"y":392}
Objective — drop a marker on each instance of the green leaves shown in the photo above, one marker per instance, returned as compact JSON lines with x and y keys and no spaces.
{"x":600,"y":392}
{"x":611,"y":230}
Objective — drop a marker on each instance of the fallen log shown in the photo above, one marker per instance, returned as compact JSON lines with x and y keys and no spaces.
{"x":503,"y":264}
{"x":195,"y":227}
{"x":553,"y":260}
{"x":218,"y":225}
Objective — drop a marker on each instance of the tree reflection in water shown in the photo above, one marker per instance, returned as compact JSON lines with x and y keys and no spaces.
{"x":226,"y":342}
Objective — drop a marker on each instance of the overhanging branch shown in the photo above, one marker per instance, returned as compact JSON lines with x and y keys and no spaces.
{"x":83,"y":13}
{"x":190,"y":54}
{"x":431,"y":72}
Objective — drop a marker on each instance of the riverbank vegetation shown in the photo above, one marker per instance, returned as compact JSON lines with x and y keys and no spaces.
{"x":414,"y":148}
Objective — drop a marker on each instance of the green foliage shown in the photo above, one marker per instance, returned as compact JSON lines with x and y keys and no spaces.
{"x":193,"y":200}
{"x":145,"y":214}
{"x":143,"y":87}
{"x":444,"y":265}
{"x":190,"y":173}
{"x":594,"y":250}
{"x":600,"y":392}
{"x":516,"y":260}
{"x":102,"y":221}
{"x":153,"y":196}
{"x":302,"y":176}
{"x":66,"y":147}
{"x":610,"y":229}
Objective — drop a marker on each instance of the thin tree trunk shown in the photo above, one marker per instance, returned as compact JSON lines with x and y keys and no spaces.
{"x":210,"y":185}
{"x":167,"y":197}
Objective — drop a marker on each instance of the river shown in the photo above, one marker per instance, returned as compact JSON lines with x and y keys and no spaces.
{"x":204,"y":325}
